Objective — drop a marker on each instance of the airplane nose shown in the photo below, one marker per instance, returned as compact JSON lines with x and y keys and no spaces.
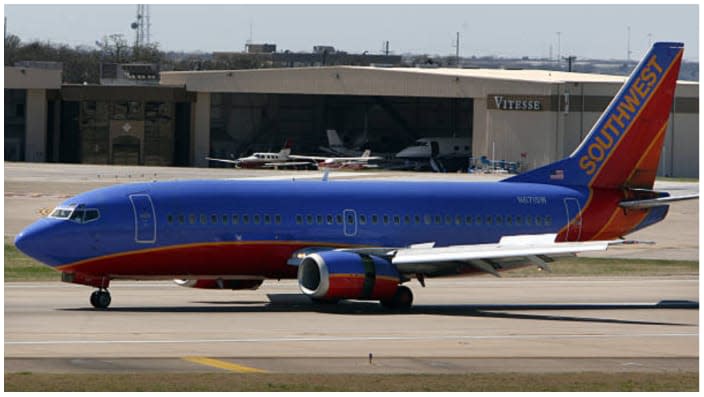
{"x":31,"y":241}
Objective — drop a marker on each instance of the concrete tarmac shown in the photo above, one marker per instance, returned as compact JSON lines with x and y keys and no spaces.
{"x":519,"y":325}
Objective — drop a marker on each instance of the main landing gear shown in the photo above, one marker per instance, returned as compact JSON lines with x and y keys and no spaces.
{"x":402,"y":300}
{"x":100,"y":299}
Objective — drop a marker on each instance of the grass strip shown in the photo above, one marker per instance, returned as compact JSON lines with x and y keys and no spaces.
{"x":19,"y":267}
{"x":481,"y":382}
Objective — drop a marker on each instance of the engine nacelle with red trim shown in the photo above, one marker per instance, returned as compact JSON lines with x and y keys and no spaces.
{"x":220,"y":284}
{"x":334,"y":275}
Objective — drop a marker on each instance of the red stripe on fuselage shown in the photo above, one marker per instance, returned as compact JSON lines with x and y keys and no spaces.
{"x":262,"y":258}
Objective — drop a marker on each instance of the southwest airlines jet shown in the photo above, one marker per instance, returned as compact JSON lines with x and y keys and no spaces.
{"x":365,"y":239}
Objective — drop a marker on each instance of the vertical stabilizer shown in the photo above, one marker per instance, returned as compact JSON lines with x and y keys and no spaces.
{"x":623,"y":148}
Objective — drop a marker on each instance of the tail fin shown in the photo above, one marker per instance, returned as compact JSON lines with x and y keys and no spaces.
{"x":333,"y":138}
{"x":286,"y":150}
{"x":623,"y":148}
{"x":367,"y":153}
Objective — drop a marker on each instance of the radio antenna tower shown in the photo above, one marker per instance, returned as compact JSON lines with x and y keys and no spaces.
{"x":142,"y":26}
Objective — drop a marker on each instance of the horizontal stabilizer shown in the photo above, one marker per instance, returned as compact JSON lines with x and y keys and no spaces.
{"x":656,"y":202}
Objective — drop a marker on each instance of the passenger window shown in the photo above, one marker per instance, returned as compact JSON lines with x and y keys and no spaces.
{"x":329,"y":219}
{"x":277,"y":219}
{"x":257,"y":218}
{"x":529,"y":220}
{"x":448,"y":219}
{"x":427,"y":219}
{"x":170,"y":219}
{"x":519,"y":220}
{"x":181,"y":219}
{"x":338,"y":217}
{"x":375,"y":219}
{"x":235,"y":219}
{"x":509,"y":220}
{"x":417,"y":219}
{"x":406,"y":219}
{"x":267,"y":219}
{"x":468,"y":219}
{"x":213,"y":219}
{"x":458,"y":220}
{"x":489,"y":220}
{"x":438,"y":219}
{"x":538,"y":220}
{"x":319,"y":219}
{"x":386,"y":219}
{"x":309,"y":219}
{"x":225,"y":219}
{"x":362,"y":219}
{"x":192,"y":219}
{"x":478,"y":220}
{"x":245,"y":219}
{"x":350,"y":219}
{"x":548,"y":219}
{"x":203,"y":219}
{"x":299,"y":219}
{"x":397,"y":220}
{"x":499,"y":220}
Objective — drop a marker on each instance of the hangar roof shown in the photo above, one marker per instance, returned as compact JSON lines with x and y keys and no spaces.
{"x":394,"y":81}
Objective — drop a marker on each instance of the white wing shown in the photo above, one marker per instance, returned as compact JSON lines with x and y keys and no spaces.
{"x":509,"y":253}
{"x":223,"y":160}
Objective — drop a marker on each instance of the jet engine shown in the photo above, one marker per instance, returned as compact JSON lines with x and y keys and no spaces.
{"x":220,"y":284}
{"x":335,"y":275}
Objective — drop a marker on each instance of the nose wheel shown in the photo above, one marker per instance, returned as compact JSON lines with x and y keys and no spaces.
{"x":100,"y":299}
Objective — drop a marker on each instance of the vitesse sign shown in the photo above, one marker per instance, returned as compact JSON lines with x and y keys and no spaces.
{"x":516,"y":102}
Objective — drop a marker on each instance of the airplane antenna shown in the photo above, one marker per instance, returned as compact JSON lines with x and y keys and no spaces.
{"x":628,"y":47}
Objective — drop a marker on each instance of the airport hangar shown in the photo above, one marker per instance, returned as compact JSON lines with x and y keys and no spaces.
{"x":531,"y":116}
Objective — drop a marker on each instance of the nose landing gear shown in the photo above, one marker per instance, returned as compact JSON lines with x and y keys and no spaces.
{"x":100,"y":299}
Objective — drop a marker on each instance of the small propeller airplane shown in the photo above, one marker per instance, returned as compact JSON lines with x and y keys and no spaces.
{"x":284,"y":159}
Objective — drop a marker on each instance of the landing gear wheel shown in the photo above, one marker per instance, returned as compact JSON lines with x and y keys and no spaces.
{"x":402,"y":300}
{"x":100,"y":299}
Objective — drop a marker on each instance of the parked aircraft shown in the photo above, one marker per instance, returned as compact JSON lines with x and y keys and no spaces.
{"x":438,"y":151}
{"x":323,"y":162}
{"x":263,"y":159}
{"x":337,"y":148}
{"x":425,"y":148}
{"x":284,"y":159}
{"x":365,"y":239}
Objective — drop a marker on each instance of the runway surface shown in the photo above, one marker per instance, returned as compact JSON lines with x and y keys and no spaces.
{"x":456,"y":325}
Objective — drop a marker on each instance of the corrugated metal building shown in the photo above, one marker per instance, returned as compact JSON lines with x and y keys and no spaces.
{"x":530,"y":116}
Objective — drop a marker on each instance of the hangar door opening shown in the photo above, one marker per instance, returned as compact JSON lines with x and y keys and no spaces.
{"x":245,"y":123}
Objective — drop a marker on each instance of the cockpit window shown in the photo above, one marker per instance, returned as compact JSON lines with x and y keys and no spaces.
{"x":62,"y":212}
{"x":85,"y":215}
{"x":77,"y":214}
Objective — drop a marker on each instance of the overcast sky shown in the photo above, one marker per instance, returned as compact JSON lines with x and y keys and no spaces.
{"x":591,"y":31}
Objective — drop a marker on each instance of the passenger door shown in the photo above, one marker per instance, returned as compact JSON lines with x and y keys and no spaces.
{"x":144,"y":218}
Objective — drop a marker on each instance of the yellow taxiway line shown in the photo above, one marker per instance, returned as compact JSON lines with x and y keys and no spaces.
{"x":211,"y":362}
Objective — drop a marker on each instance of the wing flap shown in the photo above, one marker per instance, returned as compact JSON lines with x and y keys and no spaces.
{"x":525,"y":246}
